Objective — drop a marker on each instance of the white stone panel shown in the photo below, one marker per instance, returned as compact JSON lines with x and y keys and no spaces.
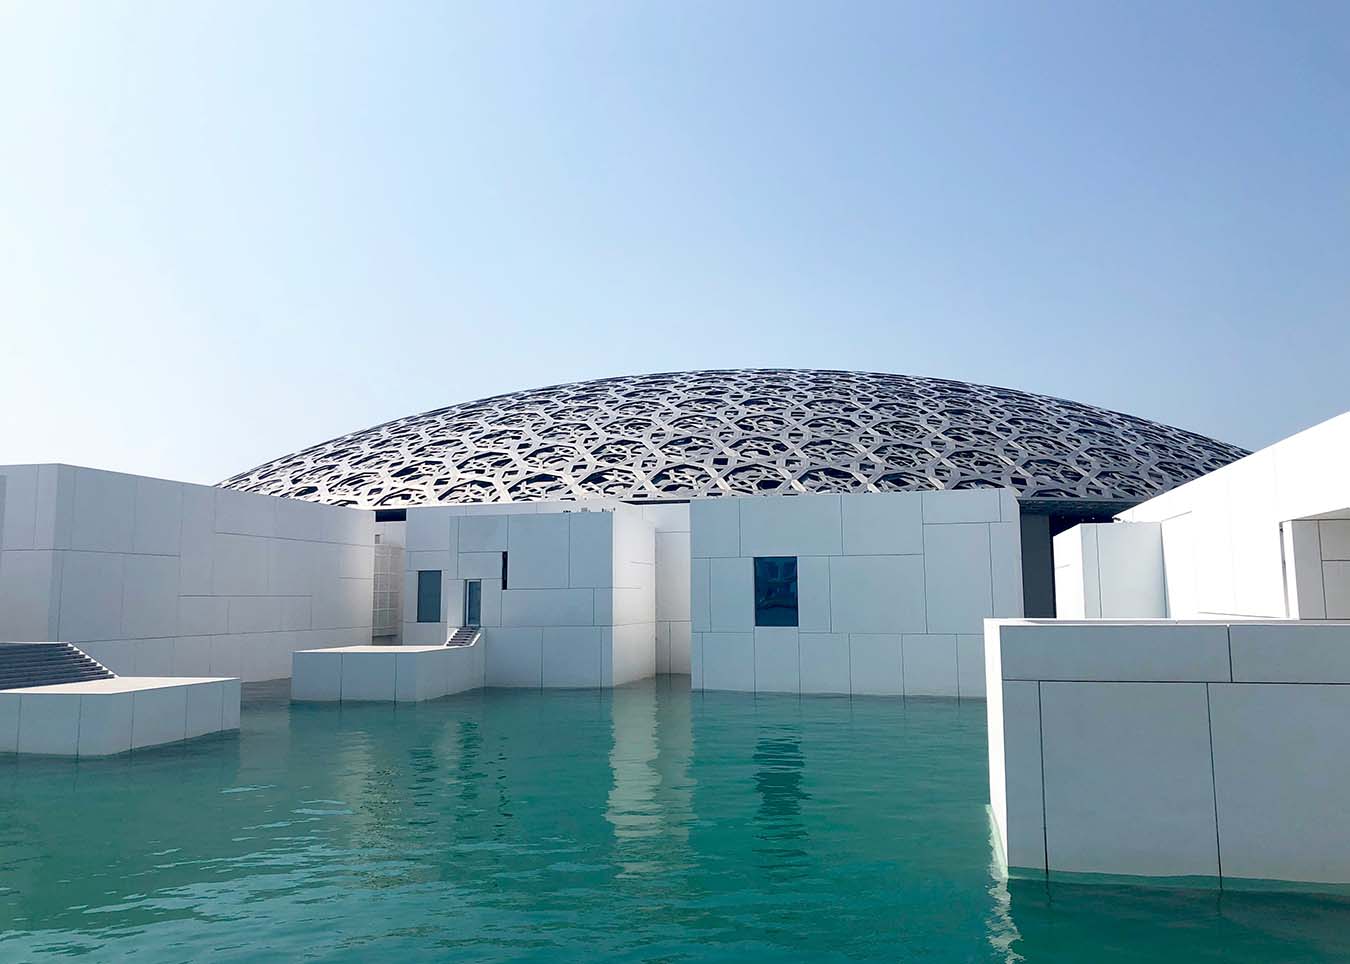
{"x":159,"y":517}
{"x":813,"y":594}
{"x":957,"y":577}
{"x":514,"y":657}
{"x":295,"y":567}
{"x":663,"y":648}
{"x":1336,"y":589}
{"x":105,"y":723}
{"x":825,"y":664}
{"x":1076,"y":585}
{"x":18,"y":524}
{"x":970,"y":666}
{"x":1305,"y":594}
{"x":1281,"y":781}
{"x":243,"y":513}
{"x":591,"y":549}
{"x":877,"y":594}
{"x":192,"y":656}
{"x":929,"y":665}
{"x":230,"y":705}
{"x":49,"y":725}
{"x":298,"y":519}
{"x":482,"y":533}
{"x":572,"y":656}
{"x":777,"y":660}
{"x":807,"y":525}
{"x":1015,"y":787}
{"x":91,"y":595}
{"x":149,"y":597}
{"x":104,"y":511}
{"x":205,"y":708}
{"x":680,"y":660}
{"x":226,"y":656}
{"x":295,"y":612}
{"x":634,"y":652}
{"x":1145,"y":807}
{"x":1291,"y":652}
{"x":154,"y":657}
{"x":480,"y":565}
{"x":1179,"y":566}
{"x":316,"y":676}
{"x":539,"y":551}
{"x":728,"y":661}
{"x":731,"y":595}
{"x":368,"y":676}
{"x":700,"y":594}
{"x":158,"y":716}
{"x":195,"y":562}
{"x":239,"y":565}
{"x":881,"y":524}
{"x":874,"y":662}
{"x":26,"y":600}
{"x":962,"y":506}
{"x":714,"y":528}
{"x":430,"y":529}
{"x":1334,"y":537}
{"x":1160,"y":652}
{"x":672,"y":575}
{"x":548,"y":607}
{"x":1005,"y":569}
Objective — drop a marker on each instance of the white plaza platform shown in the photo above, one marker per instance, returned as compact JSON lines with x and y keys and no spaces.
{"x":108,"y":716}
{"x":403,"y":674}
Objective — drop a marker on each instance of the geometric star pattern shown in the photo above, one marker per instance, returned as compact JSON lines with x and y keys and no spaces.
{"x":686,"y":435}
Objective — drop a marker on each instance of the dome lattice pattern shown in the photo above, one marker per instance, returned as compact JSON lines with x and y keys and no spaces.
{"x":695,"y":434}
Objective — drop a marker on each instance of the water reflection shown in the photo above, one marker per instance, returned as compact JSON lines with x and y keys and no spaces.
{"x":778,"y":764}
{"x":650,"y":799}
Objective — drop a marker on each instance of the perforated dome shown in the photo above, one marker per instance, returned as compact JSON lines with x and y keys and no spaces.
{"x":758,"y":431}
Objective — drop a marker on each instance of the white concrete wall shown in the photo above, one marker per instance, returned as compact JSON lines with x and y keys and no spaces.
{"x":1110,"y":571}
{"x":1222,"y":541}
{"x":1317,"y":566}
{"x":158,"y":578}
{"x":1171,"y":749}
{"x":580,"y":607}
{"x":672,"y":586}
{"x":893,"y":591}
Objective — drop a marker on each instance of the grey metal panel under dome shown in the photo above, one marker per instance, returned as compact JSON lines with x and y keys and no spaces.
{"x":689,"y":435}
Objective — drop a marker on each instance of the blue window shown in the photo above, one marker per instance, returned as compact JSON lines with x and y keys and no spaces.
{"x":429,"y":596}
{"x":776,"y":591}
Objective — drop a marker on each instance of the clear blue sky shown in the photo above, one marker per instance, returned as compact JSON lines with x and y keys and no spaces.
{"x":230,"y":230}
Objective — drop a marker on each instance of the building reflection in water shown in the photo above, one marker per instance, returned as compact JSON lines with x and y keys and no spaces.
{"x":780,"y":832}
{"x":650,"y":799}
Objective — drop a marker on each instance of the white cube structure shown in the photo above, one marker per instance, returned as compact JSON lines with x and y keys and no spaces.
{"x":892,"y":591}
{"x":157,"y":578}
{"x":1170,"y":749}
{"x":566,"y":594}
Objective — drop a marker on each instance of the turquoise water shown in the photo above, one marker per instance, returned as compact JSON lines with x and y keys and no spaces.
{"x":644,"y":824}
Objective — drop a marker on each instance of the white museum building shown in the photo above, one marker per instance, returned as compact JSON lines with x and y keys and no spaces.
{"x":1116,"y":588}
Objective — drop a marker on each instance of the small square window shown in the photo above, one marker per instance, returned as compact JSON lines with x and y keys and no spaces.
{"x":776,"y":591}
